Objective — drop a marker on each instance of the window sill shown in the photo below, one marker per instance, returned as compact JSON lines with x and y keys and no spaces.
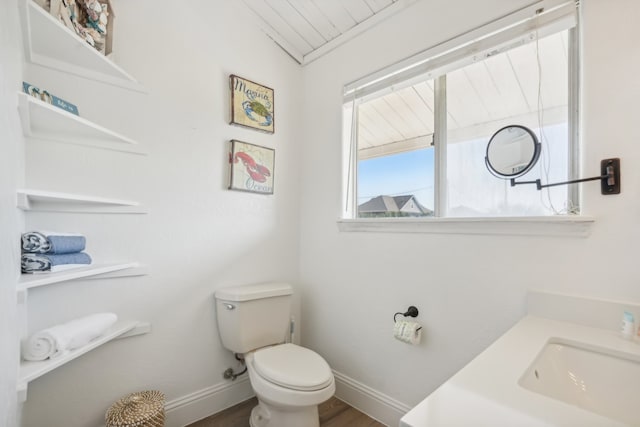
{"x":558,"y":226}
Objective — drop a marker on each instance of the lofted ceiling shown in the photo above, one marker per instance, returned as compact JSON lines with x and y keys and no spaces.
{"x":308,"y":29}
{"x":481,"y":97}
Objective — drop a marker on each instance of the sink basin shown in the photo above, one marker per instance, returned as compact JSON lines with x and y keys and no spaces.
{"x":600,"y":380}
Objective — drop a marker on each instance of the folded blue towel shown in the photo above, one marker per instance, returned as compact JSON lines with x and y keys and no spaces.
{"x":41,"y":243}
{"x":33,"y":263}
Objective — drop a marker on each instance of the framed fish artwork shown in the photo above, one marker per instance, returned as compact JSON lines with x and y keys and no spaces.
{"x":252,"y":104}
{"x":252,"y":167}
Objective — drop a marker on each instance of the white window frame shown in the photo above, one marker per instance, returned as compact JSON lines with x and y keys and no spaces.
{"x":544,"y":17}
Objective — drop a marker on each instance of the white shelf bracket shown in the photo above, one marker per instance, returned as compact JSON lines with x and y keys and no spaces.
{"x":22,"y":201}
{"x":140,"y":329}
{"x":21,"y":295}
{"x":22,"y":392}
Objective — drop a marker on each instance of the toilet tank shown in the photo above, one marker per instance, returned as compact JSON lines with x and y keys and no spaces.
{"x":253,"y":316}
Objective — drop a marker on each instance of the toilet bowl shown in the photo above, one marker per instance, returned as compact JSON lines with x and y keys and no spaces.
{"x":290,"y":382}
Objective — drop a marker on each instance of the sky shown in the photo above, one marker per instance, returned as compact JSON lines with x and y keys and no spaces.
{"x":405,"y":173}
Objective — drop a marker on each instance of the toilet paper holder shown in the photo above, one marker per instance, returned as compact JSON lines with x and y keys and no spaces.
{"x":412,"y":311}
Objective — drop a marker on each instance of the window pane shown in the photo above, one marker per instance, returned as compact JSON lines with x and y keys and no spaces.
{"x":395,"y":153}
{"x":396,"y":185}
{"x":505,"y":89}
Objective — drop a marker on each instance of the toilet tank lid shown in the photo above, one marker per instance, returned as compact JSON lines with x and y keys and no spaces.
{"x":257,"y":291}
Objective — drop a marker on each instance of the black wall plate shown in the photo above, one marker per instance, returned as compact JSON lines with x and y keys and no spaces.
{"x":611,"y":169}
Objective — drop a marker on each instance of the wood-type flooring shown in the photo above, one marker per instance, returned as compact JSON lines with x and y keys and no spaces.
{"x":333,"y":413}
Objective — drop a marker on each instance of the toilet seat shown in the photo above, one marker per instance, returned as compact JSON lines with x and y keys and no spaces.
{"x":293,"y":367}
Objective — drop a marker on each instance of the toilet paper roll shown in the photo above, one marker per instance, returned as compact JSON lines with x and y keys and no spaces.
{"x":408,"y":331}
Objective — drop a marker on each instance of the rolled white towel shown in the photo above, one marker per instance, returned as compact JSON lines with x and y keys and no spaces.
{"x":57,"y":340}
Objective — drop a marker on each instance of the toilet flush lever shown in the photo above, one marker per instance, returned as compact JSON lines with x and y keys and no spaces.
{"x":229,"y":306}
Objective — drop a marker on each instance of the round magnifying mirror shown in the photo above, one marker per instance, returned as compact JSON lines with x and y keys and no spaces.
{"x":512,"y":151}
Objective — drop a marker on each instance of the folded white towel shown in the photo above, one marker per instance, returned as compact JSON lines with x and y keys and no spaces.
{"x":57,"y":340}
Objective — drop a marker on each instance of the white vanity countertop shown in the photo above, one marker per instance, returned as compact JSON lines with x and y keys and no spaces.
{"x":486,"y":391}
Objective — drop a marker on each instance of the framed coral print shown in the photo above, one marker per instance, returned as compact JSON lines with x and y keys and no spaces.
{"x":252,"y":104}
{"x":252,"y":168}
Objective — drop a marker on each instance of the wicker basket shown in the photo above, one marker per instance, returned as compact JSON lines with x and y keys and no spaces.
{"x":140,"y":409}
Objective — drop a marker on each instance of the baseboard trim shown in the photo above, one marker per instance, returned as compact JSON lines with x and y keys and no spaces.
{"x":208,"y":401}
{"x":377,"y":405}
{"x":211,"y":400}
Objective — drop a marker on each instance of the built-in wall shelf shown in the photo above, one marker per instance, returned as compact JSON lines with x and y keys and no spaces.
{"x":28,"y":281}
{"x":50,"y":44}
{"x":30,"y":371}
{"x":40,"y":200}
{"x":136,"y":269}
{"x":45,"y":121}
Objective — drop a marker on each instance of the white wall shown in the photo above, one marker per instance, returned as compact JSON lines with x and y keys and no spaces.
{"x":469,"y":288}
{"x":198,"y":236}
{"x":11,"y":176}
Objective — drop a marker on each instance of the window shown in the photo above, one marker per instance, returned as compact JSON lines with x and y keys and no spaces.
{"x":416,"y":137}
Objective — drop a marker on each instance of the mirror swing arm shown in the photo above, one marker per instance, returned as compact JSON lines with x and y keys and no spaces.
{"x":513,"y":151}
{"x":609,"y":178}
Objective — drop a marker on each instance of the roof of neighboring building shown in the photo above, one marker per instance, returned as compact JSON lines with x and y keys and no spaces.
{"x":403,"y":200}
{"x":380,"y":204}
{"x":390,"y":204}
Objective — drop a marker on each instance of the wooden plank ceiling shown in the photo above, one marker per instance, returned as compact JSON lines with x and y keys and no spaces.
{"x":308,"y":29}
{"x":481,"y":97}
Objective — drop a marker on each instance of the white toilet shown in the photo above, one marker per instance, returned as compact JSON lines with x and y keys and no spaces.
{"x":290,"y":381}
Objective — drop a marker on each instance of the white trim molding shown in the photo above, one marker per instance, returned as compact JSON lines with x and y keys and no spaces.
{"x":376,"y":405}
{"x":549,"y":226}
{"x":208,"y":401}
{"x":211,"y":400}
